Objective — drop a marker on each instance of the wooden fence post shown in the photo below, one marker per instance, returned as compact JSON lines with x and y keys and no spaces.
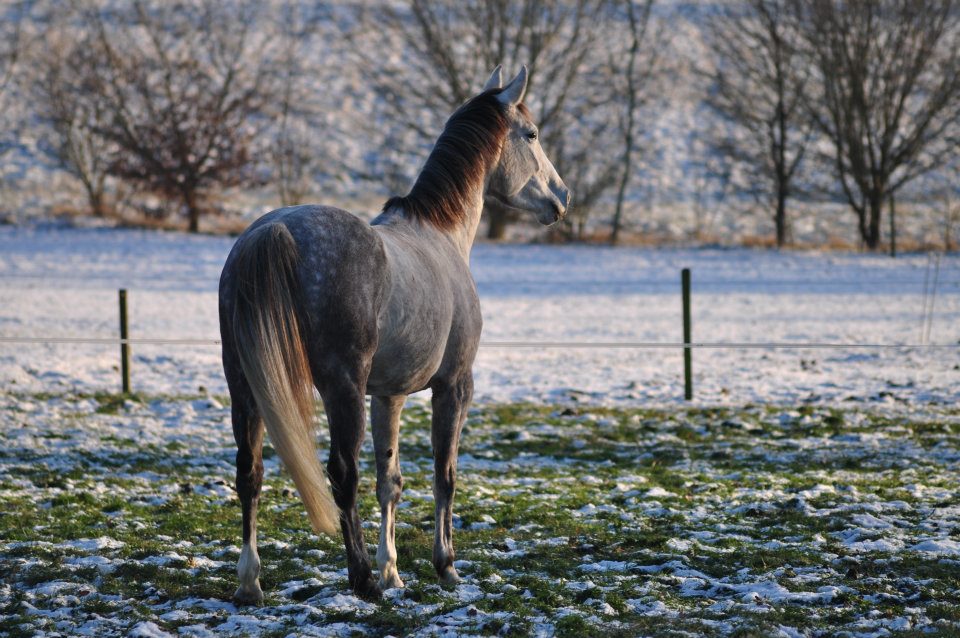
{"x":687,"y":358}
{"x":124,"y":346}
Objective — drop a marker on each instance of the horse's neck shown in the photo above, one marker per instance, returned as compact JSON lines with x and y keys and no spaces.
{"x":406,"y":235}
{"x":461,"y":235}
{"x":464,"y":233}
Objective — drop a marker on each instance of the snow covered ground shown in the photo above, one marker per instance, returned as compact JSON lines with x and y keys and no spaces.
{"x":779,"y":519}
{"x":121,"y":521}
{"x":57,"y":282}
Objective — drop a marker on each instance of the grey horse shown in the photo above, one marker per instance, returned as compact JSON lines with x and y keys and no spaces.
{"x":312,"y":296}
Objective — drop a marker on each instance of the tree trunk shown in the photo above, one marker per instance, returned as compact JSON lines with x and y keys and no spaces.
{"x":621,"y":190}
{"x":193,"y":211}
{"x":96,"y":200}
{"x":893,"y":226}
{"x":94,"y":188}
{"x":861,"y":222}
{"x":872,"y":236}
{"x":96,"y":204}
{"x":499,"y":220}
{"x":948,"y":225}
{"x":627,"y":160}
{"x":781,"y":218}
{"x":781,"y":171}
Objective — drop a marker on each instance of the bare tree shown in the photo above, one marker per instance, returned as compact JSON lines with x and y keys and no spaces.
{"x":314,"y":122}
{"x":72,"y":110}
{"x":291,"y":157}
{"x":293,"y":111}
{"x":757,"y":82}
{"x":635,"y":79}
{"x":889,"y":93}
{"x":950,"y":203}
{"x":942,"y":190}
{"x":181,"y":85}
{"x":441,"y":51}
{"x":12,"y":18}
{"x":710,"y":179}
{"x":13,"y":37}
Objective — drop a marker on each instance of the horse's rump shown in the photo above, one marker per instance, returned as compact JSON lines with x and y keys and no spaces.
{"x":266,"y":329}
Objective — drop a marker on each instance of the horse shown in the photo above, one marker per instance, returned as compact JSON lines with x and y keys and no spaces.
{"x":314,"y":297}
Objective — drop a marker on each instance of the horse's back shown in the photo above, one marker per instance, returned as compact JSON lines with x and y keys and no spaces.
{"x":323,"y":233}
{"x":334,"y":247}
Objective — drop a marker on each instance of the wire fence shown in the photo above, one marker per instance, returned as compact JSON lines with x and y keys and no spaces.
{"x":932,"y":283}
{"x":833,"y":282}
{"x":578,"y":345}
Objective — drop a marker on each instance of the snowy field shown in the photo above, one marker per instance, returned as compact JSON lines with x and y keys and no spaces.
{"x":805,"y":492}
{"x":63,"y":283}
{"x":120,"y":522}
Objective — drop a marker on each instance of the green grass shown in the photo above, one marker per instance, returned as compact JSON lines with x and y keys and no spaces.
{"x":727,"y":509}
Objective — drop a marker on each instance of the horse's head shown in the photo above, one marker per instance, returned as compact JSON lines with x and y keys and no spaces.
{"x":524,"y":179}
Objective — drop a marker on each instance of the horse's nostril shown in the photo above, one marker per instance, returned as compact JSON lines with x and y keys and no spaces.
{"x":558,"y":212}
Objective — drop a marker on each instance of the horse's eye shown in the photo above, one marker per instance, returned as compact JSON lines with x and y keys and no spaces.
{"x":532,"y":135}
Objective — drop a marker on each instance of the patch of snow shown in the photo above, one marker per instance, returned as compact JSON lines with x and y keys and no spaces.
{"x":870,"y":521}
{"x":659,"y":492}
{"x":679,"y":545}
{"x":605,"y":566}
{"x":346,"y":603}
{"x":817,"y":491}
{"x":944,"y":546}
{"x":92,"y":544}
{"x":654,"y":608}
{"x":148,"y":629}
{"x":877,"y":545}
{"x":467,"y":593}
{"x":102,"y":564}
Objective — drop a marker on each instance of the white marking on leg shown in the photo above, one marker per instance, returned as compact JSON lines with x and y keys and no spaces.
{"x":248,"y":570}
{"x":386,"y":551}
{"x":385,"y":420}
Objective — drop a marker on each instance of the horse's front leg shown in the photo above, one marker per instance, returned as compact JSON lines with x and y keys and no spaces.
{"x":450,"y":402}
{"x":385,"y":419}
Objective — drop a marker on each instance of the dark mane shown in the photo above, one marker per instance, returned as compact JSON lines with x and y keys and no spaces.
{"x":470,"y":142}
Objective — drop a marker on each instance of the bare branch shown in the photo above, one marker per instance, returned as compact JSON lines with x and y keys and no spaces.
{"x":887,"y":96}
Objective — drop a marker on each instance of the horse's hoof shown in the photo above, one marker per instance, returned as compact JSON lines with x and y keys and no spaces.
{"x":392,"y":581}
{"x":449,"y":577}
{"x":368,"y":588}
{"x":248,"y":596}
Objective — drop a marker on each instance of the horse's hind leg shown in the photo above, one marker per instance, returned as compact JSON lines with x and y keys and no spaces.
{"x":248,"y":432}
{"x":450,"y":402}
{"x":385,"y":419}
{"x":343,"y":401}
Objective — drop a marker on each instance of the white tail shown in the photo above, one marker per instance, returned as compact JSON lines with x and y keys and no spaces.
{"x":275,"y":364}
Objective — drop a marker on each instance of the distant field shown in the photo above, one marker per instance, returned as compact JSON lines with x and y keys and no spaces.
{"x":57,"y":282}
{"x":119,"y":519}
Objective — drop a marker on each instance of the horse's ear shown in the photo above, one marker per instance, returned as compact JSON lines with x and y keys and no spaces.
{"x":496,"y":79}
{"x":512,"y":93}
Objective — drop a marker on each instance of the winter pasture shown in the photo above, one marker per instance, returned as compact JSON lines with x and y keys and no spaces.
{"x":802,"y":492}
